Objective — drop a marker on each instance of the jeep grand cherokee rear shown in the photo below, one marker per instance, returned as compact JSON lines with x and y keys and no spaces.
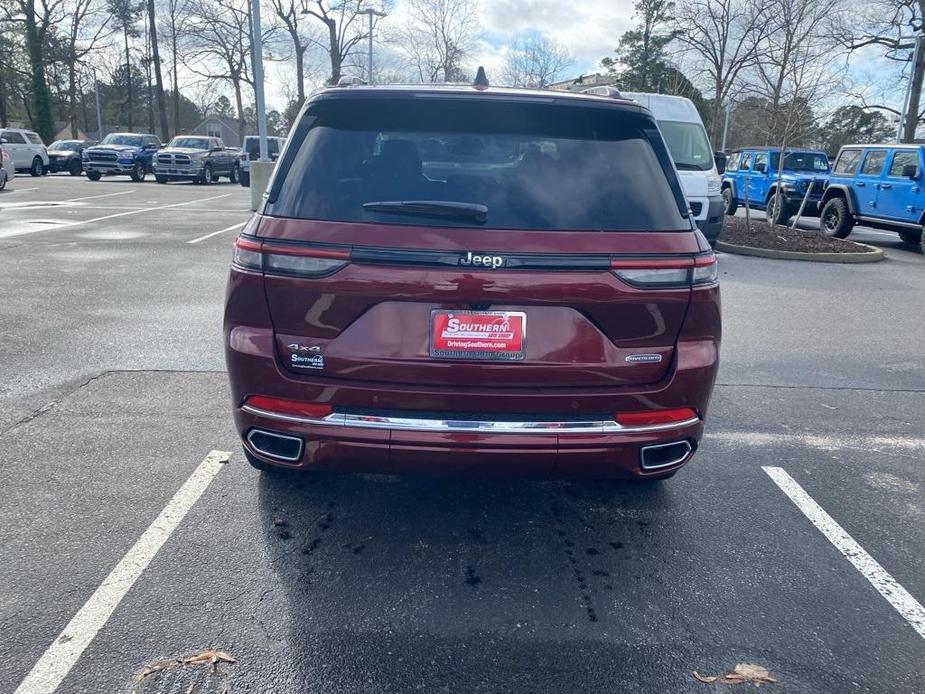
{"x":452,"y":279}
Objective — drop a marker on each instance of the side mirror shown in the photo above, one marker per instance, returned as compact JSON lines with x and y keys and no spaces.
{"x":911,"y":171}
{"x":720,"y":159}
{"x":2,"y":140}
{"x":761,"y":167}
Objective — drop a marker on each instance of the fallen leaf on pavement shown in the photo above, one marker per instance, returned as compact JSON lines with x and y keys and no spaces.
{"x":742,"y":673}
{"x":210,"y":657}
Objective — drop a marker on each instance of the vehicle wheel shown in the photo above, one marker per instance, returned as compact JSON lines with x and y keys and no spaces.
{"x":138,"y":173}
{"x":258,"y":464}
{"x":836,"y":219}
{"x":730,"y":204}
{"x":2,"y":179}
{"x":75,"y":168}
{"x":160,"y":179}
{"x":37,"y":169}
{"x":206,"y":178}
{"x":94,"y":175}
{"x":233,"y":177}
{"x":778,"y":211}
{"x":911,"y":237}
{"x":245,"y":178}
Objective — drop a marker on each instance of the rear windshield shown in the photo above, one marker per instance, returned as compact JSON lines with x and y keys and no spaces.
{"x":532,"y":165}
{"x":64,"y":147}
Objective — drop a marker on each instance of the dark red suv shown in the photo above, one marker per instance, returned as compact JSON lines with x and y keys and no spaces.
{"x":464,"y":279}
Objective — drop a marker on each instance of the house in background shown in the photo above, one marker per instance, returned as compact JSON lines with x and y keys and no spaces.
{"x":220,"y":126}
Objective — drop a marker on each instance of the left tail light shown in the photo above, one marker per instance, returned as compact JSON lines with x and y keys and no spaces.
{"x":275,"y":258}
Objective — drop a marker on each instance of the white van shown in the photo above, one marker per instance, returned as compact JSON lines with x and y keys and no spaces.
{"x":687,"y":141}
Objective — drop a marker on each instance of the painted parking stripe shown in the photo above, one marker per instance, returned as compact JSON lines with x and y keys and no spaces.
{"x":23,"y":232}
{"x":907,"y":606}
{"x":216,"y":233}
{"x":51,"y":669}
{"x":104,"y":195}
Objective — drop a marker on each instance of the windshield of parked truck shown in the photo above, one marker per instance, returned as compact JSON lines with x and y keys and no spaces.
{"x":688,"y":145}
{"x":64,"y":147}
{"x":125,"y":140}
{"x":190,"y":142}
{"x":802,"y":161}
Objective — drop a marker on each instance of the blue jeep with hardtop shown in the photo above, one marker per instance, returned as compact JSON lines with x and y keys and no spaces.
{"x":752,"y":175}
{"x":878,"y":186}
{"x":121,"y":154}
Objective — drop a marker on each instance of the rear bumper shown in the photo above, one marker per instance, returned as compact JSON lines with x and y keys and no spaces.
{"x":423,"y":442}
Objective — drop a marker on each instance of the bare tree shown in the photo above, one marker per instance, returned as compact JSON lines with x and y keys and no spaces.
{"x":438,"y":38}
{"x":174,"y":16}
{"x":891,"y":25}
{"x":535,"y":62}
{"x":291,"y":19}
{"x":724,"y":38}
{"x":345,"y":27}
{"x":158,"y":78}
{"x":219,"y":45}
{"x":85,"y":26}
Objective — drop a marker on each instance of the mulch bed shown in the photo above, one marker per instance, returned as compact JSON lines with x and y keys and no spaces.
{"x":778,"y":238}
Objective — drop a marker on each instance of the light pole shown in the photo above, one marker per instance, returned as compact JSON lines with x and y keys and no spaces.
{"x":99,"y":113}
{"x":257,"y":43}
{"x":370,"y":12}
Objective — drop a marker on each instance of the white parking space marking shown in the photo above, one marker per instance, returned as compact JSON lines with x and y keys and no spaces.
{"x":910,"y":608}
{"x":23,"y":232}
{"x":104,"y":195}
{"x":216,"y":233}
{"x":876,"y":444}
{"x":51,"y":669}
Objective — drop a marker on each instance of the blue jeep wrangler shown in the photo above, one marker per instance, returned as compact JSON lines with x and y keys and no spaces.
{"x":878,"y":186}
{"x":121,"y":153}
{"x":752,"y":175}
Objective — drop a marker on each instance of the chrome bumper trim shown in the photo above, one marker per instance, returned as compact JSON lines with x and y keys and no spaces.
{"x":470,"y":426}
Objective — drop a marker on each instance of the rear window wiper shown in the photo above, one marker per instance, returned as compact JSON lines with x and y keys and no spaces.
{"x":431,"y":208}
{"x":684,"y":166}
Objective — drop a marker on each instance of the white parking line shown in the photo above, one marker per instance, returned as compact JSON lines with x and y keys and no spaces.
{"x":51,"y":669}
{"x":23,"y":232}
{"x":910,"y":608}
{"x":104,"y":195}
{"x":216,"y":233}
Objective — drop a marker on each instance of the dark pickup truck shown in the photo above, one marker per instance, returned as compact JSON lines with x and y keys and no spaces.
{"x":198,"y":159}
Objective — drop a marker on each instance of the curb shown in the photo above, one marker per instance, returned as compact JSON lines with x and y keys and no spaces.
{"x":872,"y":255}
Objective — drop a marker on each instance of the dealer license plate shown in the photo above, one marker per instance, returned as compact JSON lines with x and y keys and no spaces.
{"x":497,"y":335}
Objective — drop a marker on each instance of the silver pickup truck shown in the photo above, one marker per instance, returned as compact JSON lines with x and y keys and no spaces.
{"x":198,"y":159}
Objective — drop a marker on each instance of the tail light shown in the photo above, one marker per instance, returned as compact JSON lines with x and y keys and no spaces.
{"x":283,"y":259}
{"x":290,"y":407}
{"x":656,"y":417}
{"x":664,"y":273}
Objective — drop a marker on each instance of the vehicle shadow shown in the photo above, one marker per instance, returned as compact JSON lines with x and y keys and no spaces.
{"x":447,"y":584}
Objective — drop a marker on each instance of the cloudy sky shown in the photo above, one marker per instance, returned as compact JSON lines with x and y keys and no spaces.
{"x":589,"y":30}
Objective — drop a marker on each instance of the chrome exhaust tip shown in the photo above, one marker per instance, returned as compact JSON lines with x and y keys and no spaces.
{"x":664,"y":454}
{"x":276,"y":446}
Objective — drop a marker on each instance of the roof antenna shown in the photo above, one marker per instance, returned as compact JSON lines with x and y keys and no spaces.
{"x":481,"y":79}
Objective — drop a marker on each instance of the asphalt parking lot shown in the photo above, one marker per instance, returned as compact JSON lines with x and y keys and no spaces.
{"x":794,"y":540}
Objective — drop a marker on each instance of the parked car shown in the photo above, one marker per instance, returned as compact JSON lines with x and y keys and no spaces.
{"x":753,"y":173}
{"x":7,"y":172}
{"x":448,"y":278}
{"x":687,"y":140}
{"x":26,"y":149}
{"x":878,"y":186}
{"x":250,"y":151}
{"x":126,"y":154}
{"x":198,"y":159}
{"x":64,"y":155}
